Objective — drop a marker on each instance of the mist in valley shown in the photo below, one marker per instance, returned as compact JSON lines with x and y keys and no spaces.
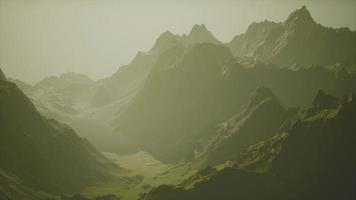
{"x":173,"y":100}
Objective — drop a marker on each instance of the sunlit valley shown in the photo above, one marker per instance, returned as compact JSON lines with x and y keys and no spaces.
{"x":268,"y":115}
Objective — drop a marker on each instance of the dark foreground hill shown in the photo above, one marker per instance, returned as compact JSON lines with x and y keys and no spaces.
{"x":42,"y":154}
{"x":310,"y":157}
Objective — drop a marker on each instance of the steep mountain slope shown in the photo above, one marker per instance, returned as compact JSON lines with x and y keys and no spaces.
{"x":67,"y":98}
{"x":178,"y":99}
{"x":259,"y":121}
{"x":311,"y":157}
{"x":299,"y":39}
{"x":191,"y":89}
{"x":44,"y":154}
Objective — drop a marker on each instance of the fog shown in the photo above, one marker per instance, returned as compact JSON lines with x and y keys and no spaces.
{"x":45,"y":37}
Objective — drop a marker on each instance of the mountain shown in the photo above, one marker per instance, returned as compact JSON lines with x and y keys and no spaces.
{"x":310,"y":157}
{"x":179,"y":97}
{"x":67,"y":98}
{"x":200,"y":34}
{"x":299,"y":39}
{"x":60,"y":94}
{"x":129,"y":78}
{"x":43,"y":154}
{"x":191,"y":89}
{"x":259,"y":120}
{"x":90,"y":107}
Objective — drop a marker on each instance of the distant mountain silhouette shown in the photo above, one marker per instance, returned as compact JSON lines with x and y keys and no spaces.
{"x":310,"y":157}
{"x":42,"y":153}
{"x":299,"y":39}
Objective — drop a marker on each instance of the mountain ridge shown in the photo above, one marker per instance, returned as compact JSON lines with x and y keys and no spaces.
{"x":240,"y":131}
{"x":197,"y":90}
{"x":299,"y":39}
{"x":265,"y":168}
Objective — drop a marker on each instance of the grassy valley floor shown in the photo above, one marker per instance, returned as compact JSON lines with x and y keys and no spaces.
{"x":143,"y":173}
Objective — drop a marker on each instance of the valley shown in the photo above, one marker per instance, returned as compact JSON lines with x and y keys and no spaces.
{"x":268,"y":115}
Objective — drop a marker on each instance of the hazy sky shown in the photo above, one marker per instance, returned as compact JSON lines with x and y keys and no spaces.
{"x":48,"y":37}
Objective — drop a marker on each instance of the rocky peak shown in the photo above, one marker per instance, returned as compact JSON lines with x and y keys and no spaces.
{"x":166,"y":35}
{"x":300,"y":17}
{"x":197,"y":29}
{"x":261,"y":27}
{"x":164,"y":40}
{"x":200,"y":34}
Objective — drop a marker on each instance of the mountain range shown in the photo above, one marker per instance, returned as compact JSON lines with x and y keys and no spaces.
{"x":192,"y":88}
{"x":258,"y":121}
{"x":297,"y":40}
{"x":309,"y":157}
{"x":298,"y":44}
{"x":268,"y":115}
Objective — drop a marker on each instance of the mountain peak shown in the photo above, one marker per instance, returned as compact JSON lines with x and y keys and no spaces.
{"x":200,"y":34}
{"x":304,"y":9}
{"x":167,"y":34}
{"x":2,"y":75}
{"x":301,"y":16}
{"x":198,"y":29}
{"x":164,"y":41}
